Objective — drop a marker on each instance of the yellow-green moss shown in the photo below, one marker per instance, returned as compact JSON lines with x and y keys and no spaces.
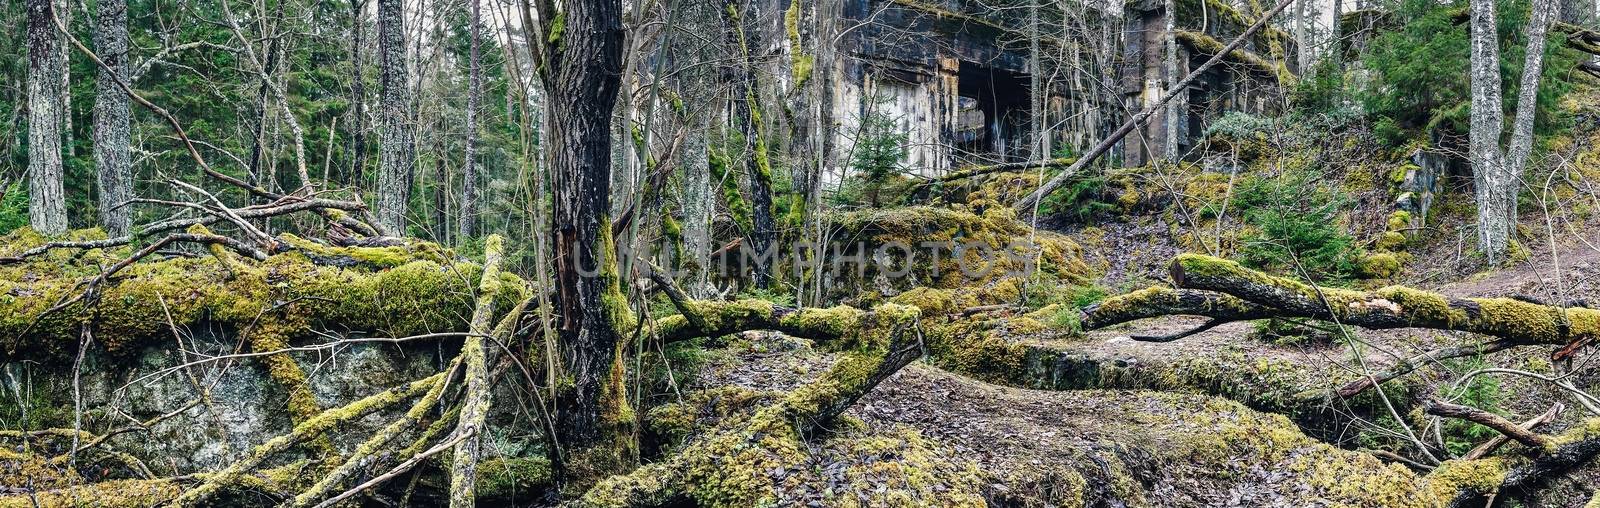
{"x":108,"y":494}
{"x":1455,"y":476}
{"x":416,"y":297}
{"x":1380,"y":265}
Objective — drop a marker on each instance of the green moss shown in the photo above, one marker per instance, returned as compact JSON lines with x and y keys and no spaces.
{"x":108,"y":494}
{"x":1400,"y":220}
{"x":1455,"y":476}
{"x":1380,"y":265}
{"x":502,"y":478}
{"x":417,"y":296}
{"x":1391,"y":241}
{"x":373,"y":257}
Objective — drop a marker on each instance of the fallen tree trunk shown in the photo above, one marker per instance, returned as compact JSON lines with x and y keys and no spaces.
{"x":875,"y":345}
{"x":1516,"y":321}
{"x":1567,"y":452}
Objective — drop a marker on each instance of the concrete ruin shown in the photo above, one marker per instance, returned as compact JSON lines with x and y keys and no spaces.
{"x":956,"y":76}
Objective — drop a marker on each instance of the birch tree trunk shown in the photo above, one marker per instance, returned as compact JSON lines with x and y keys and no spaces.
{"x":111,"y":118}
{"x":1492,"y":181}
{"x":468,"y":225}
{"x":1497,"y":174}
{"x":1302,"y":42}
{"x":396,"y":158}
{"x":1542,"y":13}
{"x":47,"y":208}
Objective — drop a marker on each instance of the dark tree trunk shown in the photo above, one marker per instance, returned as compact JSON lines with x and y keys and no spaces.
{"x":358,"y":95}
{"x":396,"y":161}
{"x":259,"y":173}
{"x":758,"y":165}
{"x":592,"y":421}
{"x":111,"y":118}
{"x":469,"y":167}
{"x":441,"y":190}
{"x":47,"y":207}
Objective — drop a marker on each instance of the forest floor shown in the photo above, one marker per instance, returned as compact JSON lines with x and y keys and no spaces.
{"x":1115,"y":445}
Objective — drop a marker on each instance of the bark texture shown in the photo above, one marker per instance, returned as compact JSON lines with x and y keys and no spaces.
{"x":1497,"y":174}
{"x":47,"y":206}
{"x":111,"y":122}
{"x":593,"y":422}
{"x":358,"y":93}
{"x":396,"y":158}
{"x":467,"y":226}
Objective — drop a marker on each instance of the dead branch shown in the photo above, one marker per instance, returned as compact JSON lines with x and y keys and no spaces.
{"x":1576,"y":449}
{"x":1408,"y":365}
{"x":303,"y":432}
{"x":1213,"y":323}
{"x":1390,"y":307}
{"x":1160,"y":301}
{"x":464,"y":469}
{"x":1483,"y":450}
{"x":1439,"y":407}
{"x":886,"y":339}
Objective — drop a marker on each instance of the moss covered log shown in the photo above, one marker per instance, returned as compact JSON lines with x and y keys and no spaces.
{"x":396,"y":291}
{"x":303,"y":432}
{"x":1389,"y":307}
{"x":732,"y":465}
{"x":1159,"y":301}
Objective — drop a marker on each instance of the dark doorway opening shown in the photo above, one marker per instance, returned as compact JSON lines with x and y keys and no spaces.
{"x":992,"y":119}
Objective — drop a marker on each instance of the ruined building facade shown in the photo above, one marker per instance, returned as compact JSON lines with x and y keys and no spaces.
{"x":956,"y":76}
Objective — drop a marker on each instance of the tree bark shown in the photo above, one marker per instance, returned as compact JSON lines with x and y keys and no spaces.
{"x":1492,"y":182}
{"x":47,"y":207}
{"x":1497,"y":174}
{"x":583,"y":60}
{"x":1541,"y":13}
{"x":1219,"y":288}
{"x":477,"y":357}
{"x":747,"y":114}
{"x":358,"y":95}
{"x":111,"y":118}
{"x":1302,"y":43}
{"x":1169,"y":137}
{"x":396,"y":157}
{"x":468,"y":221}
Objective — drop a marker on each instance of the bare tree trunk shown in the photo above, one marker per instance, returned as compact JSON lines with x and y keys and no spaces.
{"x":593,"y":422}
{"x":111,"y":118}
{"x":747,"y":113}
{"x":1302,"y":43}
{"x":47,"y":207}
{"x":699,"y":205}
{"x":468,"y":225}
{"x":396,"y":157}
{"x":1539,"y":20}
{"x":1484,"y":136}
{"x":1169,"y":144}
{"x":1336,"y":46}
{"x":358,"y":94}
{"x":1497,"y":174}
